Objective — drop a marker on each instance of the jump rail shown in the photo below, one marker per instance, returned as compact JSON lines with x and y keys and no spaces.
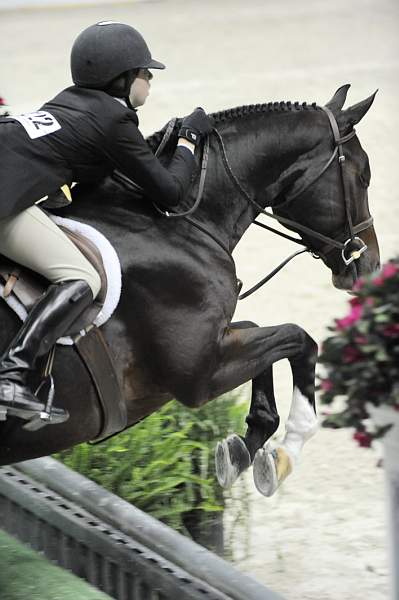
{"x":110,"y":543}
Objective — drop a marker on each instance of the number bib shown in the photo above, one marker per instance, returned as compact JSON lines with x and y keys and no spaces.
{"x":37,"y":124}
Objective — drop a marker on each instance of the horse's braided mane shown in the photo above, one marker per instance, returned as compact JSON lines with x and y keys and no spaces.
{"x":250,"y":109}
{"x":243,"y":111}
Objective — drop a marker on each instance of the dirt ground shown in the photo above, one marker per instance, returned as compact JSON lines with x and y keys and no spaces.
{"x":322,"y":537}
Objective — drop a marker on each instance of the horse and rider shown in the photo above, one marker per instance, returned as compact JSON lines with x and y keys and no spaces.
{"x":84,"y":133}
{"x":172,"y":333}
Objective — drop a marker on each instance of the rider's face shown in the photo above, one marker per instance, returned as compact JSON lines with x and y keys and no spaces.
{"x":140,"y":88}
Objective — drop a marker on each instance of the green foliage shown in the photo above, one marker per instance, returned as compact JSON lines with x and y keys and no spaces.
{"x":165,"y":464}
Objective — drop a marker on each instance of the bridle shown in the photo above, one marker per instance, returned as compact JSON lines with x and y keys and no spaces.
{"x":329,"y":242}
{"x":363,"y":225}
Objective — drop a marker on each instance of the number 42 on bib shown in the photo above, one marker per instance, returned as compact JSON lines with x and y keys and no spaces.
{"x":38,"y":123}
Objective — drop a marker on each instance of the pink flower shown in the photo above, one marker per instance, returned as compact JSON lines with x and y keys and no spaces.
{"x":379,"y":280}
{"x":358,"y":284}
{"x":2,"y":102}
{"x":353,"y":316}
{"x":326,"y":385}
{"x":356,"y":301}
{"x":391,"y":330}
{"x":389,"y":270}
{"x":350,"y":354}
{"x":363,"y":439}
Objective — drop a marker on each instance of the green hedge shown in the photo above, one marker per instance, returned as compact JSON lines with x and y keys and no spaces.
{"x":165,"y":464}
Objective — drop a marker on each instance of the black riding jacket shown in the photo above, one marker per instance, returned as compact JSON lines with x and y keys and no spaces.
{"x":82,"y":135}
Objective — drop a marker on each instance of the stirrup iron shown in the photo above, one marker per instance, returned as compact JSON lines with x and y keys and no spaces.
{"x":47,"y":416}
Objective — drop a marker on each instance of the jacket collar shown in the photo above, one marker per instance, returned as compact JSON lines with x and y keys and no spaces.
{"x":126,"y":105}
{"x":121,"y":100}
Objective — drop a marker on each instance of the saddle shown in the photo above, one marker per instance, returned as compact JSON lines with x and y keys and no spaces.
{"x":25,"y":287}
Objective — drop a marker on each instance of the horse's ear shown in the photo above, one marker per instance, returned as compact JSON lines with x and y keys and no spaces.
{"x":355,"y":113}
{"x":338,"y":100}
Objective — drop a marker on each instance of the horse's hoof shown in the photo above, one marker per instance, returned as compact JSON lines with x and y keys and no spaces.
{"x":231,"y":459}
{"x":270,"y":469}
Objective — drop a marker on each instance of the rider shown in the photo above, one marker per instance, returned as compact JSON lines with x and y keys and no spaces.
{"x":84,"y":133}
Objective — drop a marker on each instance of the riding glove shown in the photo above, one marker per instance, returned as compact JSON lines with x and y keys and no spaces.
{"x":195,"y":125}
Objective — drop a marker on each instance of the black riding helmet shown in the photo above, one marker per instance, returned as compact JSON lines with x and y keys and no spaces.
{"x":106,"y":56}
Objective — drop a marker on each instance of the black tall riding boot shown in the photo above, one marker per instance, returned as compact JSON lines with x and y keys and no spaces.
{"x":49,"y":319}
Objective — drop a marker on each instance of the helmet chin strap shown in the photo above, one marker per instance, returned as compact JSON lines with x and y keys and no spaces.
{"x":129,"y":104}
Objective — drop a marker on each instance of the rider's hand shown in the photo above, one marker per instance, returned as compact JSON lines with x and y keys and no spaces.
{"x":184,"y":142}
{"x":195,"y":125}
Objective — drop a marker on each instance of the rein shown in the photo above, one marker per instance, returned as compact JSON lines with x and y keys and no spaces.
{"x":329,"y":243}
{"x":204,"y":165}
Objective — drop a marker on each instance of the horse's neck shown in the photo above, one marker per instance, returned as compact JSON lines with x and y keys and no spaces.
{"x":259,"y":149}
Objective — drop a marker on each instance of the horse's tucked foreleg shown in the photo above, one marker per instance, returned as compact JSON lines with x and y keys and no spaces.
{"x":235,"y":453}
{"x":273,"y":464}
{"x":302,"y":421}
{"x":248,"y":353}
{"x":263,"y":419}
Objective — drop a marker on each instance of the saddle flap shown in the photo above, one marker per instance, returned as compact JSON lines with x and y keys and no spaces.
{"x":93,"y":350}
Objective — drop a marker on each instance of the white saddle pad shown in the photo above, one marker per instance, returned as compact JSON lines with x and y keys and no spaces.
{"x":112,"y":268}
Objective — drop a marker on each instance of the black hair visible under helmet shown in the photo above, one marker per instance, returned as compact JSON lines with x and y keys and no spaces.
{"x":107,"y":50}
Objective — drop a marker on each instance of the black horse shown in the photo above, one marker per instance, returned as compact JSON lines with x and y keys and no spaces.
{"x":171,"y":335}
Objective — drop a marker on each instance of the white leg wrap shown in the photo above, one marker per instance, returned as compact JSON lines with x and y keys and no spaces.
{"x":274,"y":462}
{"x":301,"y":425}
